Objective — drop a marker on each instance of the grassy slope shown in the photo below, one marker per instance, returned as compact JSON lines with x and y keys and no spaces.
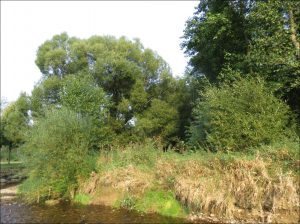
{"x":260,"y":185}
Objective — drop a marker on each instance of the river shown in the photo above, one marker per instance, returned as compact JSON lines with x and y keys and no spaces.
{"x":14,"y":211}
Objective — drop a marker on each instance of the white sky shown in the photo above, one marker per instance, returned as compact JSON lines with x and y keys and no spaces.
{"x":25,"y":25}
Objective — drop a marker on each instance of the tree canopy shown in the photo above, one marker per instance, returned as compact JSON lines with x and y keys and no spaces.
{"x":247,"y":37}
{"x":129,"y":93}
{"x":116,"y":80}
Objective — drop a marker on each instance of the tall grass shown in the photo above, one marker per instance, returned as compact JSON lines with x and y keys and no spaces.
{"x":226,"y":184}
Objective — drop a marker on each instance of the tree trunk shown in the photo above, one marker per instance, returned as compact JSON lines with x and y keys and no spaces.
{"x":9,"y":154}
{"x":294,"y":33}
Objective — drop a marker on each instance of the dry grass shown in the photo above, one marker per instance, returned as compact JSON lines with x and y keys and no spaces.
{"x":238,"y":188}
{"x":128,"y":179}
{"x":242,"y":187}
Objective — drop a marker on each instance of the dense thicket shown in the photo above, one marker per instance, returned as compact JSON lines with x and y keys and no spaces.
{"x":233,"y":40}
{"x":57,"y":153}
{"x":240,"y":116}
{"x":247,"y":37}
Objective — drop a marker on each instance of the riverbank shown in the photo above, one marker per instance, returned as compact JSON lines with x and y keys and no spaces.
{"x":11,"y":174}
{"x":260,"y":185}
{"x":218,"y":187}
{"x":16,"y":211}
{"x":8,"y":193}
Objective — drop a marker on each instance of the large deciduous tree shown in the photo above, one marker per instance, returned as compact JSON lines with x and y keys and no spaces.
{"x":274,"y":47}
{"x":104,"y":72}
{"x":228,"y":39}
{"x":217,"y":29}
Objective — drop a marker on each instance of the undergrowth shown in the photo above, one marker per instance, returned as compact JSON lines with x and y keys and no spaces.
{"x":226,"y":184}
{"x":83,"y":199}
{"x":229,"y":185}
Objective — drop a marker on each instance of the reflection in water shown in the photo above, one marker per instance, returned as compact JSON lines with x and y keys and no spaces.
{"x":15,"y":212}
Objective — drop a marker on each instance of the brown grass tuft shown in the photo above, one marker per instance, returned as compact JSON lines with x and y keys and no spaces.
{"x":128,"y":179}
{"x":241,"y":187}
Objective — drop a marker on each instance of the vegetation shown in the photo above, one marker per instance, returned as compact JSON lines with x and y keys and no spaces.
{"x":108,"y":123}
{"x":163,"y":202}
{"x":82,"y":199}
{"x":228,"y":185}
{"x":240,"y":115}
{"x":254,"y":38}
{"x":57,"y":154}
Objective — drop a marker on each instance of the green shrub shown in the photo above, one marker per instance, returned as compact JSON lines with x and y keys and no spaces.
{"x":82,"y":199}
{"x":162,"y":202}
{"x":244,"y":114}
{"x":57,"y":155}
{"x":127,"y":202}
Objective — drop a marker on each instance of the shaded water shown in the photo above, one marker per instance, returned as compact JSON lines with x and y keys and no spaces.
{"x":14,"y":211}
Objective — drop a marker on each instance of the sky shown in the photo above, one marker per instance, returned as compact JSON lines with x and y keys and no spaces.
{"x":25,"y":25}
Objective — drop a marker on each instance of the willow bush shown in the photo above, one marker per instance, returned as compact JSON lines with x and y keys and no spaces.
{"x":240,"y":115}
{"x":57,"y":154}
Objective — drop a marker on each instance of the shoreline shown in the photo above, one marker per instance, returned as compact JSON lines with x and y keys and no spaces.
{"x":8,"y":192}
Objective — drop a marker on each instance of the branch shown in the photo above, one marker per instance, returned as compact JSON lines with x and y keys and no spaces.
{"x":293,"y":32}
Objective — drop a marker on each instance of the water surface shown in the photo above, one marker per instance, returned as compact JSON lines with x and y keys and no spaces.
{"x":14,"y":211}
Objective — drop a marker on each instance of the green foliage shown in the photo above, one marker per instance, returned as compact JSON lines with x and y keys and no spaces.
{"x":15,"y":155}
{"x":15,"y":121}
{"x":127,"y":202}
{"x":45,"y":93}
{"x":160,"y":119}
{"x":57,"y":153}
{"x":274,"y":51}
{"x":142,"y":155}
{"x":217,"y":28}
{"x":118,"y":76}
{"x":247,"y":38}
{"x":82,"y":95}
{"x":241,"y":115}
{"x":83,"y":199}
{"x":53,"y":57}
{"x":78,"y":89}
{"x":162,"y":202}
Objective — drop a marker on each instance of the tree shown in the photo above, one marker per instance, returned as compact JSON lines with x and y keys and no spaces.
{"x":218,"y":28}
{"x":45,"y":94}
{"x":130,"y":76}
{"x":3,"y":139}
{"x":160,"y":119}
{"x":274,"y":47}
{"x":228,"y":39}
{"x":15,"y":122}
{"x":82,"y":95}
{"x":53,"y":57}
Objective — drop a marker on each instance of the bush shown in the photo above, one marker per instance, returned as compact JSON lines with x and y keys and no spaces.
{"x":162,"y":202}
{"x":244,"y":114}
{"x":127,"y":202}
{"x":57,"y":154}
{"x":82,"y":199}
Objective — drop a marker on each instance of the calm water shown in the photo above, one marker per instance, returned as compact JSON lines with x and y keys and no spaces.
{"x":17,"y":212}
